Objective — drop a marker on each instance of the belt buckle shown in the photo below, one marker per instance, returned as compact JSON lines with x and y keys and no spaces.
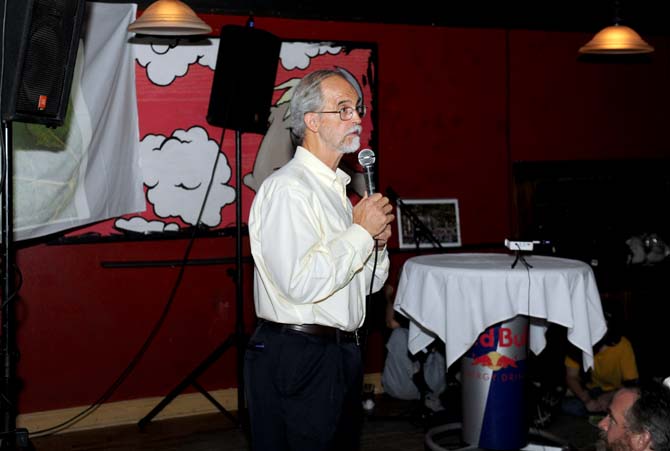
{"x":358,"y":342}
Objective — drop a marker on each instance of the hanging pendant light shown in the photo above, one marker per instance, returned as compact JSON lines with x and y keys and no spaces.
{"x":169,"y":18}
{"x":616,"y":40}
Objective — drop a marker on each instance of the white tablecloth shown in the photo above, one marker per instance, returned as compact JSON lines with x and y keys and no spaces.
{"x":455,"y":297}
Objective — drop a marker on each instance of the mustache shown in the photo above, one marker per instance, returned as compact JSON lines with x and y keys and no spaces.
{"x":355,"y":129}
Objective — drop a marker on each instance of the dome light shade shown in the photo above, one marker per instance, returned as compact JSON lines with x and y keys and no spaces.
{"x":169,"y":18}
{"x":616,"y":40}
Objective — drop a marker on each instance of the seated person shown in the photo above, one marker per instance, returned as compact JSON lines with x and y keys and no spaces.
{"x":407,"y":376}
{"x":614,"y":367}
{"x":637,"y":420}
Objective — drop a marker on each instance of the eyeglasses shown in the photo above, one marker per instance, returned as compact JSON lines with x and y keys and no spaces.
{"x":347,"y":112}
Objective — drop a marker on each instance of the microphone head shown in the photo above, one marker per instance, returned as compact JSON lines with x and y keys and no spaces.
{"x":366,"y":158}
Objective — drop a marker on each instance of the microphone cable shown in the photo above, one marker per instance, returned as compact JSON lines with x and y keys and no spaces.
{"x":374,"y":267}
{"x":133,"y":363}
{"x":154,"y":331}
{"x":528,"y":266}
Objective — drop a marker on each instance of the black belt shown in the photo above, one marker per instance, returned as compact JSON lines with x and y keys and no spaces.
{"x":332,"y":333}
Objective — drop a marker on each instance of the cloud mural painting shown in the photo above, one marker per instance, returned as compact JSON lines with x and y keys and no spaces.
{"x":179,"y":147}
{"x":165,"y":60}
{"x":177,"y":172}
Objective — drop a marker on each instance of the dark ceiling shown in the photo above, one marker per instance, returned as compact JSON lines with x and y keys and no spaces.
{"x":645,"y":16}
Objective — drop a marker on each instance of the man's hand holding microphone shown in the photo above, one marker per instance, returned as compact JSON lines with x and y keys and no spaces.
{"x":374,"y":211}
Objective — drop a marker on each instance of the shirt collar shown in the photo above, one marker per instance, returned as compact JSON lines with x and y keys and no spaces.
{"x":307,"y":158}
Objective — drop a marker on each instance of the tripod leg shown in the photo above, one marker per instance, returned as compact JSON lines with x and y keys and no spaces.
{"x":189,"y":380}
{"x":216,"y":403}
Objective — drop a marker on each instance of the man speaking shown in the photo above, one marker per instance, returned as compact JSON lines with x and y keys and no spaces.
{"x":316,"y":258}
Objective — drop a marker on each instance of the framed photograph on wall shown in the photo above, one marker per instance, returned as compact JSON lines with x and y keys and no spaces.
{"x":439,"y":216}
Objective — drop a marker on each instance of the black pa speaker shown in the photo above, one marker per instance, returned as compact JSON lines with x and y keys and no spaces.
{"x":41,"y":38}
{"x":246,"y":68}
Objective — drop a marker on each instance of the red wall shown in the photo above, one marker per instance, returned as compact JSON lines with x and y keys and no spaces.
{"x":443,"y":112}
{"x":562,"y":109}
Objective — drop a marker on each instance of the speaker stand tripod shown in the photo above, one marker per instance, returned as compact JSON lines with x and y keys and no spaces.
{"x":236,"y":339}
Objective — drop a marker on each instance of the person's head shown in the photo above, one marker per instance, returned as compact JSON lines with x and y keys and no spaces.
{"x":327,"y":107}
{"x":638,"y":419}
{"x":614,"y":319}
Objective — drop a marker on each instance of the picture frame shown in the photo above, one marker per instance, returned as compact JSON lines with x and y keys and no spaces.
{"x":440,"y":217}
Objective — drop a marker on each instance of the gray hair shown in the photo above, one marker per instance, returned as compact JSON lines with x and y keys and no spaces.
{"x":651,"y":413}
{"x":307,"y":97}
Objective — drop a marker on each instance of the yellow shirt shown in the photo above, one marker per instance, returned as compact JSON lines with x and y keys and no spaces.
{"x":313,"y":265}
{"x":611,"y":366}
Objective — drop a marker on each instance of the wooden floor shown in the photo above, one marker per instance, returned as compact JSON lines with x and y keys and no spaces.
{"x":388,"y":429}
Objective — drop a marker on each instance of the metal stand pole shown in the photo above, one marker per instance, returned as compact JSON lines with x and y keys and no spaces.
{"x":10,"y":438}
{"x":420,"y":229}
{"x":8,"y":339}
{"x":237,"y":338}
{"x":239,"y":293}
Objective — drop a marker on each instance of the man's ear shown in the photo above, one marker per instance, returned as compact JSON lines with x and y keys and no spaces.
{"x":312,"y":121}
{"x":640,"y":441}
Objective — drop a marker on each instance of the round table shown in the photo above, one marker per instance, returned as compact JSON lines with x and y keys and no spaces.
{"x":459,"y":298}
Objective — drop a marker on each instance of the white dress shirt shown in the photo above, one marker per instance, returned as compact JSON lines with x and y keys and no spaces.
{"x":312,"y":264}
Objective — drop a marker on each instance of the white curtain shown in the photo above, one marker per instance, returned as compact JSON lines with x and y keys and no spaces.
{"x":88,"y":169}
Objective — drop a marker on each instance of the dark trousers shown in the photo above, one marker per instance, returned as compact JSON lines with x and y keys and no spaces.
{"x":303,"y":392}
{"x":574,"y":406}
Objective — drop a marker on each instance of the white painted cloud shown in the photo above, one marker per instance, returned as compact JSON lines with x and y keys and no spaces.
{"x":177,"y":171}
{"x":141,"y":225}
{"x":298,"y":54}
{"x":167,"y":59}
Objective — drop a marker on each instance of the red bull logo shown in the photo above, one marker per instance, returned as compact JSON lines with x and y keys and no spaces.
{"x":506,"y":338}
{"x":495,"y":361}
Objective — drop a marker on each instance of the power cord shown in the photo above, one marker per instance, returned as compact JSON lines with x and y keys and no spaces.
{"x":152,"y":335}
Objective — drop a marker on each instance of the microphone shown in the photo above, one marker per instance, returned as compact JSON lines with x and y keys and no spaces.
{"x":366,"y":158}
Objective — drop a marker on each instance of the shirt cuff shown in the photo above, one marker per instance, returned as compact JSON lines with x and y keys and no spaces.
{"x":382,"y":252}
{"x":360,"y":239}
